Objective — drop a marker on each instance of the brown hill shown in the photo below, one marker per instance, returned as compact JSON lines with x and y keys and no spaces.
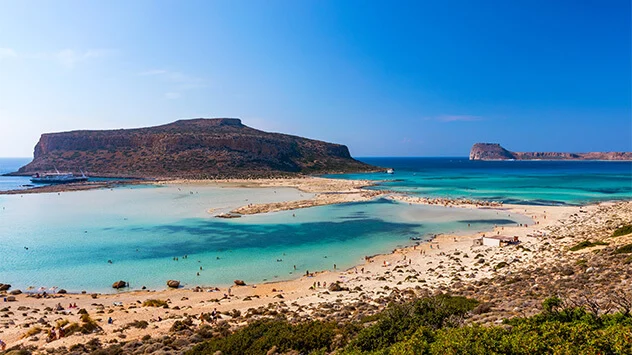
{"x":196,"y":148}
{"x":493,"y":151}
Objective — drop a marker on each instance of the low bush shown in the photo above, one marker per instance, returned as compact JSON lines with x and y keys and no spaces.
{"x":586,"y":244}
{"x":140,"y":324}
{"x":31,"y":332}
{"x":626,"y":249}
{"x":155,"y":303}
{"x":622,"y":231}
{"x":262,"y":335}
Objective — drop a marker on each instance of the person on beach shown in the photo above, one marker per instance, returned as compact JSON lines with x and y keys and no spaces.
{"x":60,"y":333}
{"x":3,"y":345}
{"x":214,"y":315}
{"x":110,"y":321}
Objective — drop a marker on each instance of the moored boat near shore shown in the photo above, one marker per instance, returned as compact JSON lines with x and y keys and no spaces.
{"x":57,"y":178}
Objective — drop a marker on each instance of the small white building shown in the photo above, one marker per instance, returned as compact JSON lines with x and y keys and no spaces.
{"x":496,"y":241}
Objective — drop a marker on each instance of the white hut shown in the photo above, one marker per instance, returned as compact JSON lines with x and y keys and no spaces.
{"x":499,"y":240}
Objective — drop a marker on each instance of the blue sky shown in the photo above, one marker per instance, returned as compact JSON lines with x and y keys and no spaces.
{"x":418,"y":78}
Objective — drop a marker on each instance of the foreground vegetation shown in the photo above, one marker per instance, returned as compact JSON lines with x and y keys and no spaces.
{"x":586,"y":244}
{"x":434,"y":325}
{"x":428,"y":325}
{"x":627,"y":229}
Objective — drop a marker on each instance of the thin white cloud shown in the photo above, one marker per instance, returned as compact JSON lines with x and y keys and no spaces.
{"x":7,"y":53}
{"x":70,"y":57}
{"x":458,"y":118}
{"x":177,"y":81}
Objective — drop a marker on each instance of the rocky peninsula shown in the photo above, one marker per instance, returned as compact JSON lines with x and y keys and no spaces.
{"x":494,"y":151}
{"x":193,"y":149}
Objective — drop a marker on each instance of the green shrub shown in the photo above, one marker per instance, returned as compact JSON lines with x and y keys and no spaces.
{"x":261,"y":335}
{"x":586,"y":244}
{"x":401,"y":320}
{"x":622,"y":231}
{"x":624,"y":249}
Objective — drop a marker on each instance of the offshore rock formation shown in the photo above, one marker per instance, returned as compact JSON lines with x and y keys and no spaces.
{"x":493,"y":151}
{"x":196,"y":148}
{"x":490,"y":151}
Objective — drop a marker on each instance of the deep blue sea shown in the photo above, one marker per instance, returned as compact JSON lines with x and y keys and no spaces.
{"x":520,"y":182}
{"x":9,"y":165}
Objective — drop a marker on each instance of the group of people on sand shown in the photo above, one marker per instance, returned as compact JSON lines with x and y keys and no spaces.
{"x":317,"y":285}
{"x":55,"y":335}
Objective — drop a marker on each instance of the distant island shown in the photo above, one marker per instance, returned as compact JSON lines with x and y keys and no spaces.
{"x":494,"y":151}
{"x":195,"y":148}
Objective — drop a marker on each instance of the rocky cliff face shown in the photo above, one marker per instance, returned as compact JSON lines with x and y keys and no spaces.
{"x":489,"y":151}
{"x":493,"y":151}
{"x":197,"y":148}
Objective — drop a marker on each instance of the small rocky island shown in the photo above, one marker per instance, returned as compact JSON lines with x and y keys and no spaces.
{"x":494,"y":151}
{"x":195,"y":148}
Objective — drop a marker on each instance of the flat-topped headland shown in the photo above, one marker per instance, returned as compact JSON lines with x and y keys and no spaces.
{"x":195,"y":148}
{"x":494,"y":151}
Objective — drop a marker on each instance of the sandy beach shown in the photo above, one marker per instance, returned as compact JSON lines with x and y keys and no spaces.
{"x":448,"y":263}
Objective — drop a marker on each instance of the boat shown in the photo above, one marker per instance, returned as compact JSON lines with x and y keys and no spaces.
{"x":390,"y":171}
{"x":57,"y":178}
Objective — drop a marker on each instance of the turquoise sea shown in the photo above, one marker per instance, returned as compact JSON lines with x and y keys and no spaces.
{"x":519,"y":182}
{"x":66,"y":239}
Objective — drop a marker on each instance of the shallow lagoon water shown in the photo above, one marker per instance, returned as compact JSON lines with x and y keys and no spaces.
{"x":71,"y":236}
